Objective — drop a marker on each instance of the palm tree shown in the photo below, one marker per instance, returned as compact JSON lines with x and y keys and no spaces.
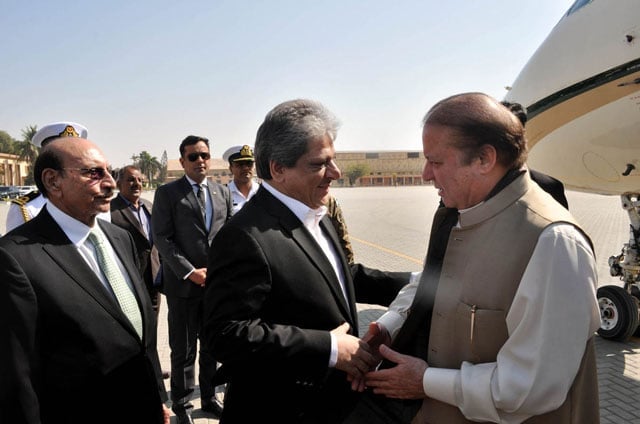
{"x":148,"y":164}
{"x":26,"y":151}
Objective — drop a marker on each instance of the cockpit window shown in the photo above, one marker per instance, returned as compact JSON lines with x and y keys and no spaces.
{"x":577,"y":5}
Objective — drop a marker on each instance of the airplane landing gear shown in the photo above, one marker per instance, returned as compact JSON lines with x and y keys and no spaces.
{"x":620,"y":306}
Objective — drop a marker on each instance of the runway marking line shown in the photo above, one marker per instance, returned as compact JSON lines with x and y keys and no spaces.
{"x":384,"y":249}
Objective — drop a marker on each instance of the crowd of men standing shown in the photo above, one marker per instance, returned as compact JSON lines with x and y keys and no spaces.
{"x":261,"y":285}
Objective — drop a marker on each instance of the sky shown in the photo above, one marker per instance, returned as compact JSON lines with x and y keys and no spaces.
{"x":142,"y":75}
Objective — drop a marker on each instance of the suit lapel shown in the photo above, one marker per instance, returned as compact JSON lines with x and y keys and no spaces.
{"x":64,"y":253}
{"x":292,"y":225}
{"x":213,"y":195}
{"x":129,"y":216}
{"x":122,"y":246}
{"x":330,"y":232}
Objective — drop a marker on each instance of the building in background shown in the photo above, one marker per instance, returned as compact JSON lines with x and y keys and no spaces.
{"x":359,"y":169}
{"x":382,"y":168}
{"x":13,"y":171}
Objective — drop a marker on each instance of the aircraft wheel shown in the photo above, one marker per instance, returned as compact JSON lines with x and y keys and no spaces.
{"x":618,"y":313}
{"x":635,"y":294}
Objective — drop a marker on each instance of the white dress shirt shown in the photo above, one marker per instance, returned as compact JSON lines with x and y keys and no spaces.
{"x":238,"y":198}
{"x":77,"y":232}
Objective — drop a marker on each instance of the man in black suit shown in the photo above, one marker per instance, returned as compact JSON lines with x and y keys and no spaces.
{"x":133,"y":213}
{"x":78,"y":329}
{"x":280,"y":304}
{"x":183,"y":225}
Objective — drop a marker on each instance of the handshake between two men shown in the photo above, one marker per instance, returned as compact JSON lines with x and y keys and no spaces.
{"x":361,"y":360}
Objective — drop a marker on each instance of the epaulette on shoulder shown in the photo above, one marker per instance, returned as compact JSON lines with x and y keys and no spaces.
{"x":23,"y":200}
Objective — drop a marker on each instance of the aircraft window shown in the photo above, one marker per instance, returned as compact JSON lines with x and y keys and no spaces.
{"x":578,"y":5}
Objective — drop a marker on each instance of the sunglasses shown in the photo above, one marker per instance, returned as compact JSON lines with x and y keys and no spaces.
{"x":202,"y":155}
{"x":92,"y":173}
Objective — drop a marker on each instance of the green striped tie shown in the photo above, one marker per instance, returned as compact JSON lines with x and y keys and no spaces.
{"x":121,"y":289}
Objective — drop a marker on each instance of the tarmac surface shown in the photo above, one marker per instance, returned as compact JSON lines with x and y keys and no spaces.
{"x":389,"y":227}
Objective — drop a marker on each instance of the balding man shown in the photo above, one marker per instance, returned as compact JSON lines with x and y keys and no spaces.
{"x":500,"y":327}
{"x":77,"y":325}
{"x":26,"y":207}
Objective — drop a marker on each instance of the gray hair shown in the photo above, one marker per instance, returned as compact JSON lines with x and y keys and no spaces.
{"x":287,"y":129}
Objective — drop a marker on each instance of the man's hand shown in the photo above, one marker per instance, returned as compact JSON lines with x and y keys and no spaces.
{"x":354,"y":356}
{"x":404,"y":381}
{"x":166,"y":414}
{"x":376,"y":335}
{"x":198,"y":276}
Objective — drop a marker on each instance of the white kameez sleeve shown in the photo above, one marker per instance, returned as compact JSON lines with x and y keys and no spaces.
{"x":553,"y":314}
{"x":398,"y":310}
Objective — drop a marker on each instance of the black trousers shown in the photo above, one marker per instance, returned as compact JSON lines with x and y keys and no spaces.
{"x":184,"y":321}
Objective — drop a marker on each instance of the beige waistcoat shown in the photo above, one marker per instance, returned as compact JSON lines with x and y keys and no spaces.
{"x":482,"y":269}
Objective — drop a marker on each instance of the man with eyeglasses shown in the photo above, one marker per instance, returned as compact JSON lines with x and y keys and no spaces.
{"x":78,"y":328}
{"x":24,"y":208}
{"x":187,"y":214}
{"x":242,"y":186}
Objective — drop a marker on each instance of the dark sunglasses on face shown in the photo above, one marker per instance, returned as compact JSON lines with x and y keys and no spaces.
{"x":194,"y":156}
{"x":92,"y":173}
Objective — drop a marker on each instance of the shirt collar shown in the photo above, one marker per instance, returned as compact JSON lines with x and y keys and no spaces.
{"x":304,"y":213}
{"x":191,"y":182}
{"x":75,"y":230}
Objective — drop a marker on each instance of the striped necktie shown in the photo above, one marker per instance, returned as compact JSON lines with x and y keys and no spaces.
{"x":124,"y":295}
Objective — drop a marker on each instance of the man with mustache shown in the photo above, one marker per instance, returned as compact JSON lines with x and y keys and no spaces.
{"x":78,"y":329}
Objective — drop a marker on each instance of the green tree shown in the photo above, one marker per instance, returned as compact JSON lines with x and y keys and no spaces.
{"x":26,"y":151}
{"x":7,"y":143}
{"x":355,"y":171}
{"x":148,"y":165}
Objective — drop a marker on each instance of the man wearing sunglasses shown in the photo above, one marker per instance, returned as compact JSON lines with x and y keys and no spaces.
{"x":26,"y":207}
{"x":187,"y":213}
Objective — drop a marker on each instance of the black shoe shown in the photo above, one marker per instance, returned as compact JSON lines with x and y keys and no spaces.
{"x":213,"y":406}
{"x":183,"y":417}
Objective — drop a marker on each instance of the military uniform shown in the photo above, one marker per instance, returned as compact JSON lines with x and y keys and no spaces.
{"x":24,"y":208}
{"x":236,"y":155}
{"x":28,"y":206}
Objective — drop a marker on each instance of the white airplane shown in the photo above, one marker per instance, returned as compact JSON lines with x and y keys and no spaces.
{"x":581,"y":91}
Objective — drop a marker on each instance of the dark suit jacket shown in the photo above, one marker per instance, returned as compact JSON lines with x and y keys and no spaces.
{"x":68,"y":352}
{"x":180,"y":234}
{"x":271,"y":299}
{"x":551,"y":185}
{"x":123,"y":217}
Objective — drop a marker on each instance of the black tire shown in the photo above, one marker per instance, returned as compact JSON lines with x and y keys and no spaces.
{"x":635,"y":293}
{"x":618,"y":313}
